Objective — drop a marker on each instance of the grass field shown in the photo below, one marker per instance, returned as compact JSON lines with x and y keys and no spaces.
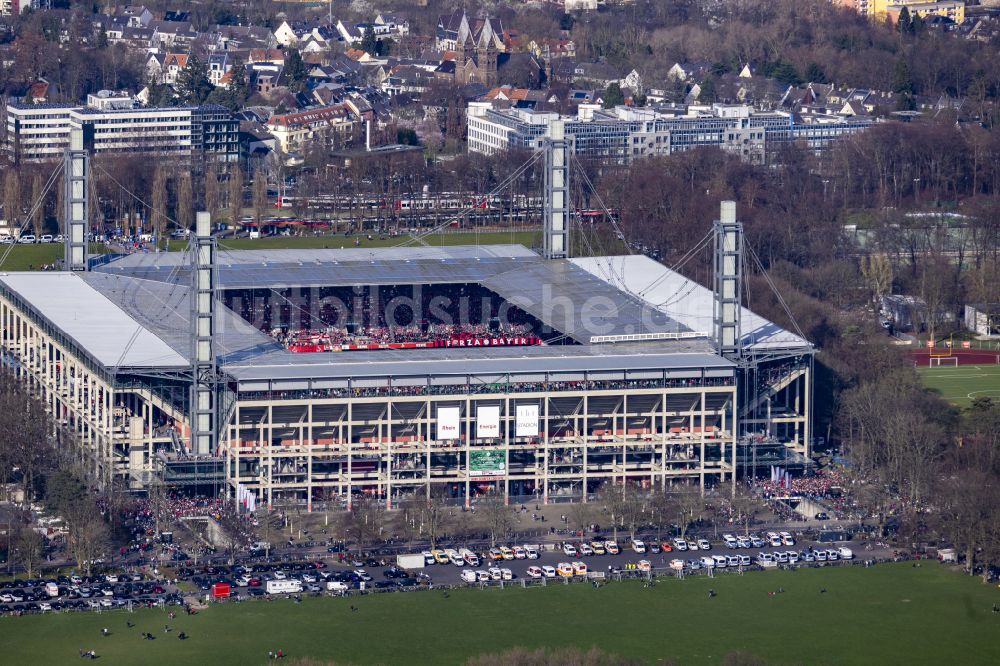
{"x":893,"y":614}
{"x":31,"y":257}
{"x":960,"y":385}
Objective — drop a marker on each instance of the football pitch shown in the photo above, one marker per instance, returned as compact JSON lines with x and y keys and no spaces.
{"x":961,"y":384}
{"x":890,"y":614}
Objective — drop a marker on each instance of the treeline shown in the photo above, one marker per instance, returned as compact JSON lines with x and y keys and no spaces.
{"x":42,"y":460}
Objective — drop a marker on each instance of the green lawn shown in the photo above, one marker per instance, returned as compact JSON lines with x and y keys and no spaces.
{"x":894,"y":614}
{"x":527,"y":238}
{"x":959,"y":385}
{"x":31,"y":257}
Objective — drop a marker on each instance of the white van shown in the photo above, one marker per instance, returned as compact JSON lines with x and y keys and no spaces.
{"x":336,"y":586}
{"x":52,"y":589}
{"x":708,"y":562}
{"x":469,"y":557}
{"x":468,"y":576}
{"x":730,"y":540}
{"x":845,"y":553}
{"x":531,"y":552}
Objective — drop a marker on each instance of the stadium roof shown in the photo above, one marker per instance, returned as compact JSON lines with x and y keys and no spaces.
{"x":684,"y":300}
{"x":480,"y":361}
{"x":163,"y":309}
{"x":261,"y":269}
{"x":96,"y":324}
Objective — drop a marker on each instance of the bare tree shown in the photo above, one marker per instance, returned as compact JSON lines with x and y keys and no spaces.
{"x":259,"y":197}
{"x":688,"y":507}
{"x":235,"y":200}
{"x":158,"y":204}
{"x":12,"y":197}
{"x":624,"y":505}
{"x":212,"y":193}
{"x":38,"y":212}
{"x":185,"y":201}
{"x":497,"y":515}
{"x":435,"y":517}
{"x":29,"y":547}
{"x":88,"y":535}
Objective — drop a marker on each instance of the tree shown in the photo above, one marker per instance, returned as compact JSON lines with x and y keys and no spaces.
{"x":193,"y":84}
{"x":369,"y":43}
{"x":38,"y":212}
{"x":158,"y":204}
{"x":259,"y":196}
{"x":29,"y":548}
{"x":497,"y":515}
{"x":902,"y":80}
{"x":295,"y":69}
{"x":623,"y":504}
{"x":688,"y":507}
{"x":235,"y":194}
{"x":185,"y":201}
{"x":12,"y":197}
{"x":877,"y":271}
{"x":88,"y":535}
{"x":63,"y":490}
{"x":815,"y":73}
{"x":903,"y":24}
{"x":435,"y":516}
{"x":613,"y":95}
{"x":212,"y":192}
{"x":566,"y":22}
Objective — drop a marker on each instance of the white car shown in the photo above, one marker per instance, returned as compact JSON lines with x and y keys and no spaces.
{"x":531,"y":552}
{"x":756,"y":542}
{"x":703,"y":544}
{"x":28,"y":238}
{"x":832,"y":555}
{"x":506,"y":574}
{"x":579,"y":568}
{"x":793,"y":557}
{"x":680,"y":544}
{"x":482,"y":576}
{"x":638,"y":546}
{"x":781,"y":557}
{"x":45,"y":238}
{"x":520,"y":553}
{"x":569,"y":550}
{"x":820,"y":555}
{"x":707,"y":562}
{"x":732,"y":560}
{"x":720,"y":561}
{"x":548,"y":571}
{"x":495,"y":573}
{"x":743,"y":542}
{"x":534,"y":572}
{"x":774,"y":539}
{"x":586,"y":550}
{"x":730,"y":541}
{"x":677,"y":565}
{"x":787,"y":538}
{"x":280,"y":575}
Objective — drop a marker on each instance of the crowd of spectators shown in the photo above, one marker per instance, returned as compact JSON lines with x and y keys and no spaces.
{"x":332,"y":339}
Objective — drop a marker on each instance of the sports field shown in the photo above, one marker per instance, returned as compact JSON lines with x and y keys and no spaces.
{"x":961,"y":384}
{"x":893,"y":614}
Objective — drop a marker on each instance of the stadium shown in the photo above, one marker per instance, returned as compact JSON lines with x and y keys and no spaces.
{"x":297,"y":377}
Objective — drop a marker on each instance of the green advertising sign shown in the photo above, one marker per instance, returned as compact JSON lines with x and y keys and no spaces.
{"x":487,"y":463}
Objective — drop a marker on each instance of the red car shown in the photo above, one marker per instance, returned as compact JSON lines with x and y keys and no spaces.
{"x":253,"y":582}
{"x":319,"y":564}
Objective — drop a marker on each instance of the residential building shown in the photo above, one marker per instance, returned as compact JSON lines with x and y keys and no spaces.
{"x":292,"y":131}
{"x":623,"y":134}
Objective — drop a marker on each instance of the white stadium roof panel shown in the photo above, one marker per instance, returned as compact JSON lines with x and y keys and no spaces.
{"x":683,"y":300}
{"x":97,"y":325}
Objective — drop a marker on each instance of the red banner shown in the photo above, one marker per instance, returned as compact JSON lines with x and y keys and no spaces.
{"x":514,"y":341}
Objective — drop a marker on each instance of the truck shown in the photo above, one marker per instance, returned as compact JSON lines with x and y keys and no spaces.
{"x":411,"y":561}
{"x":283,"y":586}
{"x":469,"y":557}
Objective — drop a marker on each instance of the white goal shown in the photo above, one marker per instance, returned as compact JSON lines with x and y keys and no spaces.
{"x":938,"y":361}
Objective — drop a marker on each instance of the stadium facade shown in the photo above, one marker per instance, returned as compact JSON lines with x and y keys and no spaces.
{"x":614,"y":373}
